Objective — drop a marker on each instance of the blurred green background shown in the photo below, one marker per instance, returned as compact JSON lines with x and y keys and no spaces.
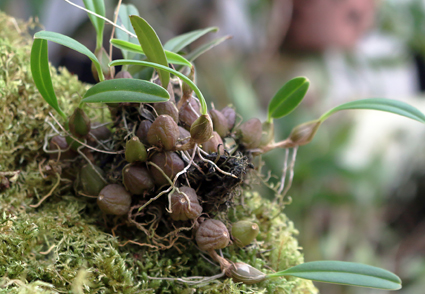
{"x":359,"y":188}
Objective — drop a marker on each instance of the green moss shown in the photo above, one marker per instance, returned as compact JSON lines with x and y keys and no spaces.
{"x":63,"y":246}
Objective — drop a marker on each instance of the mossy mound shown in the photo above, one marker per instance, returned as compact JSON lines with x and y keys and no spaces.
{"x":63,"y":246}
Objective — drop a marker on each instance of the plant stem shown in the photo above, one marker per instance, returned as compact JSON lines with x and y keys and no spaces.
{"x":204,"y":108}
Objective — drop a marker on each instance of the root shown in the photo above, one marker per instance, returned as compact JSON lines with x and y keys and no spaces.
{"x":281,"y":195}
{"x":213,"y":164}
{"x":83,"y":143}
{"x":48,"y":194}
{"x":285,"y":168}
{"x":154,"y":198}
{"x":195,"y":280}
{"x":91,"y":164}
{"x":150,"y":229}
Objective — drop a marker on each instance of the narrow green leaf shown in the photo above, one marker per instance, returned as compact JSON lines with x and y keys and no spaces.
{"x":205,"y":47}
{"x":151,"y":45}
{"x":73,"y":44}
{"x":179,"y":42}
{"x":41,"y":74}
{"x":171,"y":56}
{"x":381,"y":104}
{"x":346,"y":273}
{"x":184,"y":78}
{"x":126,"y":90}
{"x":288,"y":97}
{"x":98,"y":7}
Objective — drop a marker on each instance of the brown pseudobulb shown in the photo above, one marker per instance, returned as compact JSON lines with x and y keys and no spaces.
{"x":181,"y":208}
{"x":168,"y":108}
{"x":163,"y":132}
{"x":114,"y":199}
{"x":99,"y":131}
{"x":250,"y":132}
{"x":230,"y":114}
{"x":59,"y":143}
{"x":184,"y":135}
{"x":142,"y":131}
{"x":137,"y":179}
{"x":215,"y":144}
{"x":212,"y":234}
{"x":189,"y":112}
{"x":169,"y":162}
{"x":220,"y":123}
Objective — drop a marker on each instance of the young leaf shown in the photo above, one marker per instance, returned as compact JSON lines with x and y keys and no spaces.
{"x":171,"y":56}
{"x":169,"y":70}
{"x":346,"y":273}
{"x":41,"y":74}
{"x":126,"y":90}
{"x":151,"y":45}
{"x":178,"y":43}
{"x":98,"y":7}
{"x":205,"y":47}
{"x":387,"y":105}
{"x":288,"y":97}
{"x":123,"y":20}
{"x":73,"y":44}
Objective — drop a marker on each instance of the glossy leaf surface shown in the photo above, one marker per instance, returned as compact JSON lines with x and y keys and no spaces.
{"x":98,"y":7}
{"x":151,"y":46}
{"x":171,"y":56}
{"x":179,"y":42}
{"x":169,"y":70}
{"x":381,"y":104}
{"x":72,"y":44}
{"x":346,"y":273}
{"x":41,"y":74}
{"x":288,"y":97}
{"x":126,"y":90}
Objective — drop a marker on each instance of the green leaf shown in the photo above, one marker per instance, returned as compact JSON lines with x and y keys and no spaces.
{"x":171,"y":56}
{"x":126,"y":90}
{"x":205,"y":47}
{"x":288,"y":97}
{"x":41,"y":74}
{"x":151,"y":45}
{"x":73,"y":44}
{"x":123,"y":20}
{"x":387,"y":105}
{"x":178,"y":43}
{"x":169,"y":70}
{"x":346,"y":273}
{"x":98,"y":7}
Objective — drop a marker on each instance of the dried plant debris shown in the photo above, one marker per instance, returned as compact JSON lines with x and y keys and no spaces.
{"x":60,"y":229}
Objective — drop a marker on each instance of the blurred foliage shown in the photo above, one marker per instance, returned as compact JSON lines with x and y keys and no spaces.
{"x":404,"y":19}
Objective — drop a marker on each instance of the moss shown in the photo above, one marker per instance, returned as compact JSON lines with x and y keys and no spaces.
{"x":63,"y":246}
